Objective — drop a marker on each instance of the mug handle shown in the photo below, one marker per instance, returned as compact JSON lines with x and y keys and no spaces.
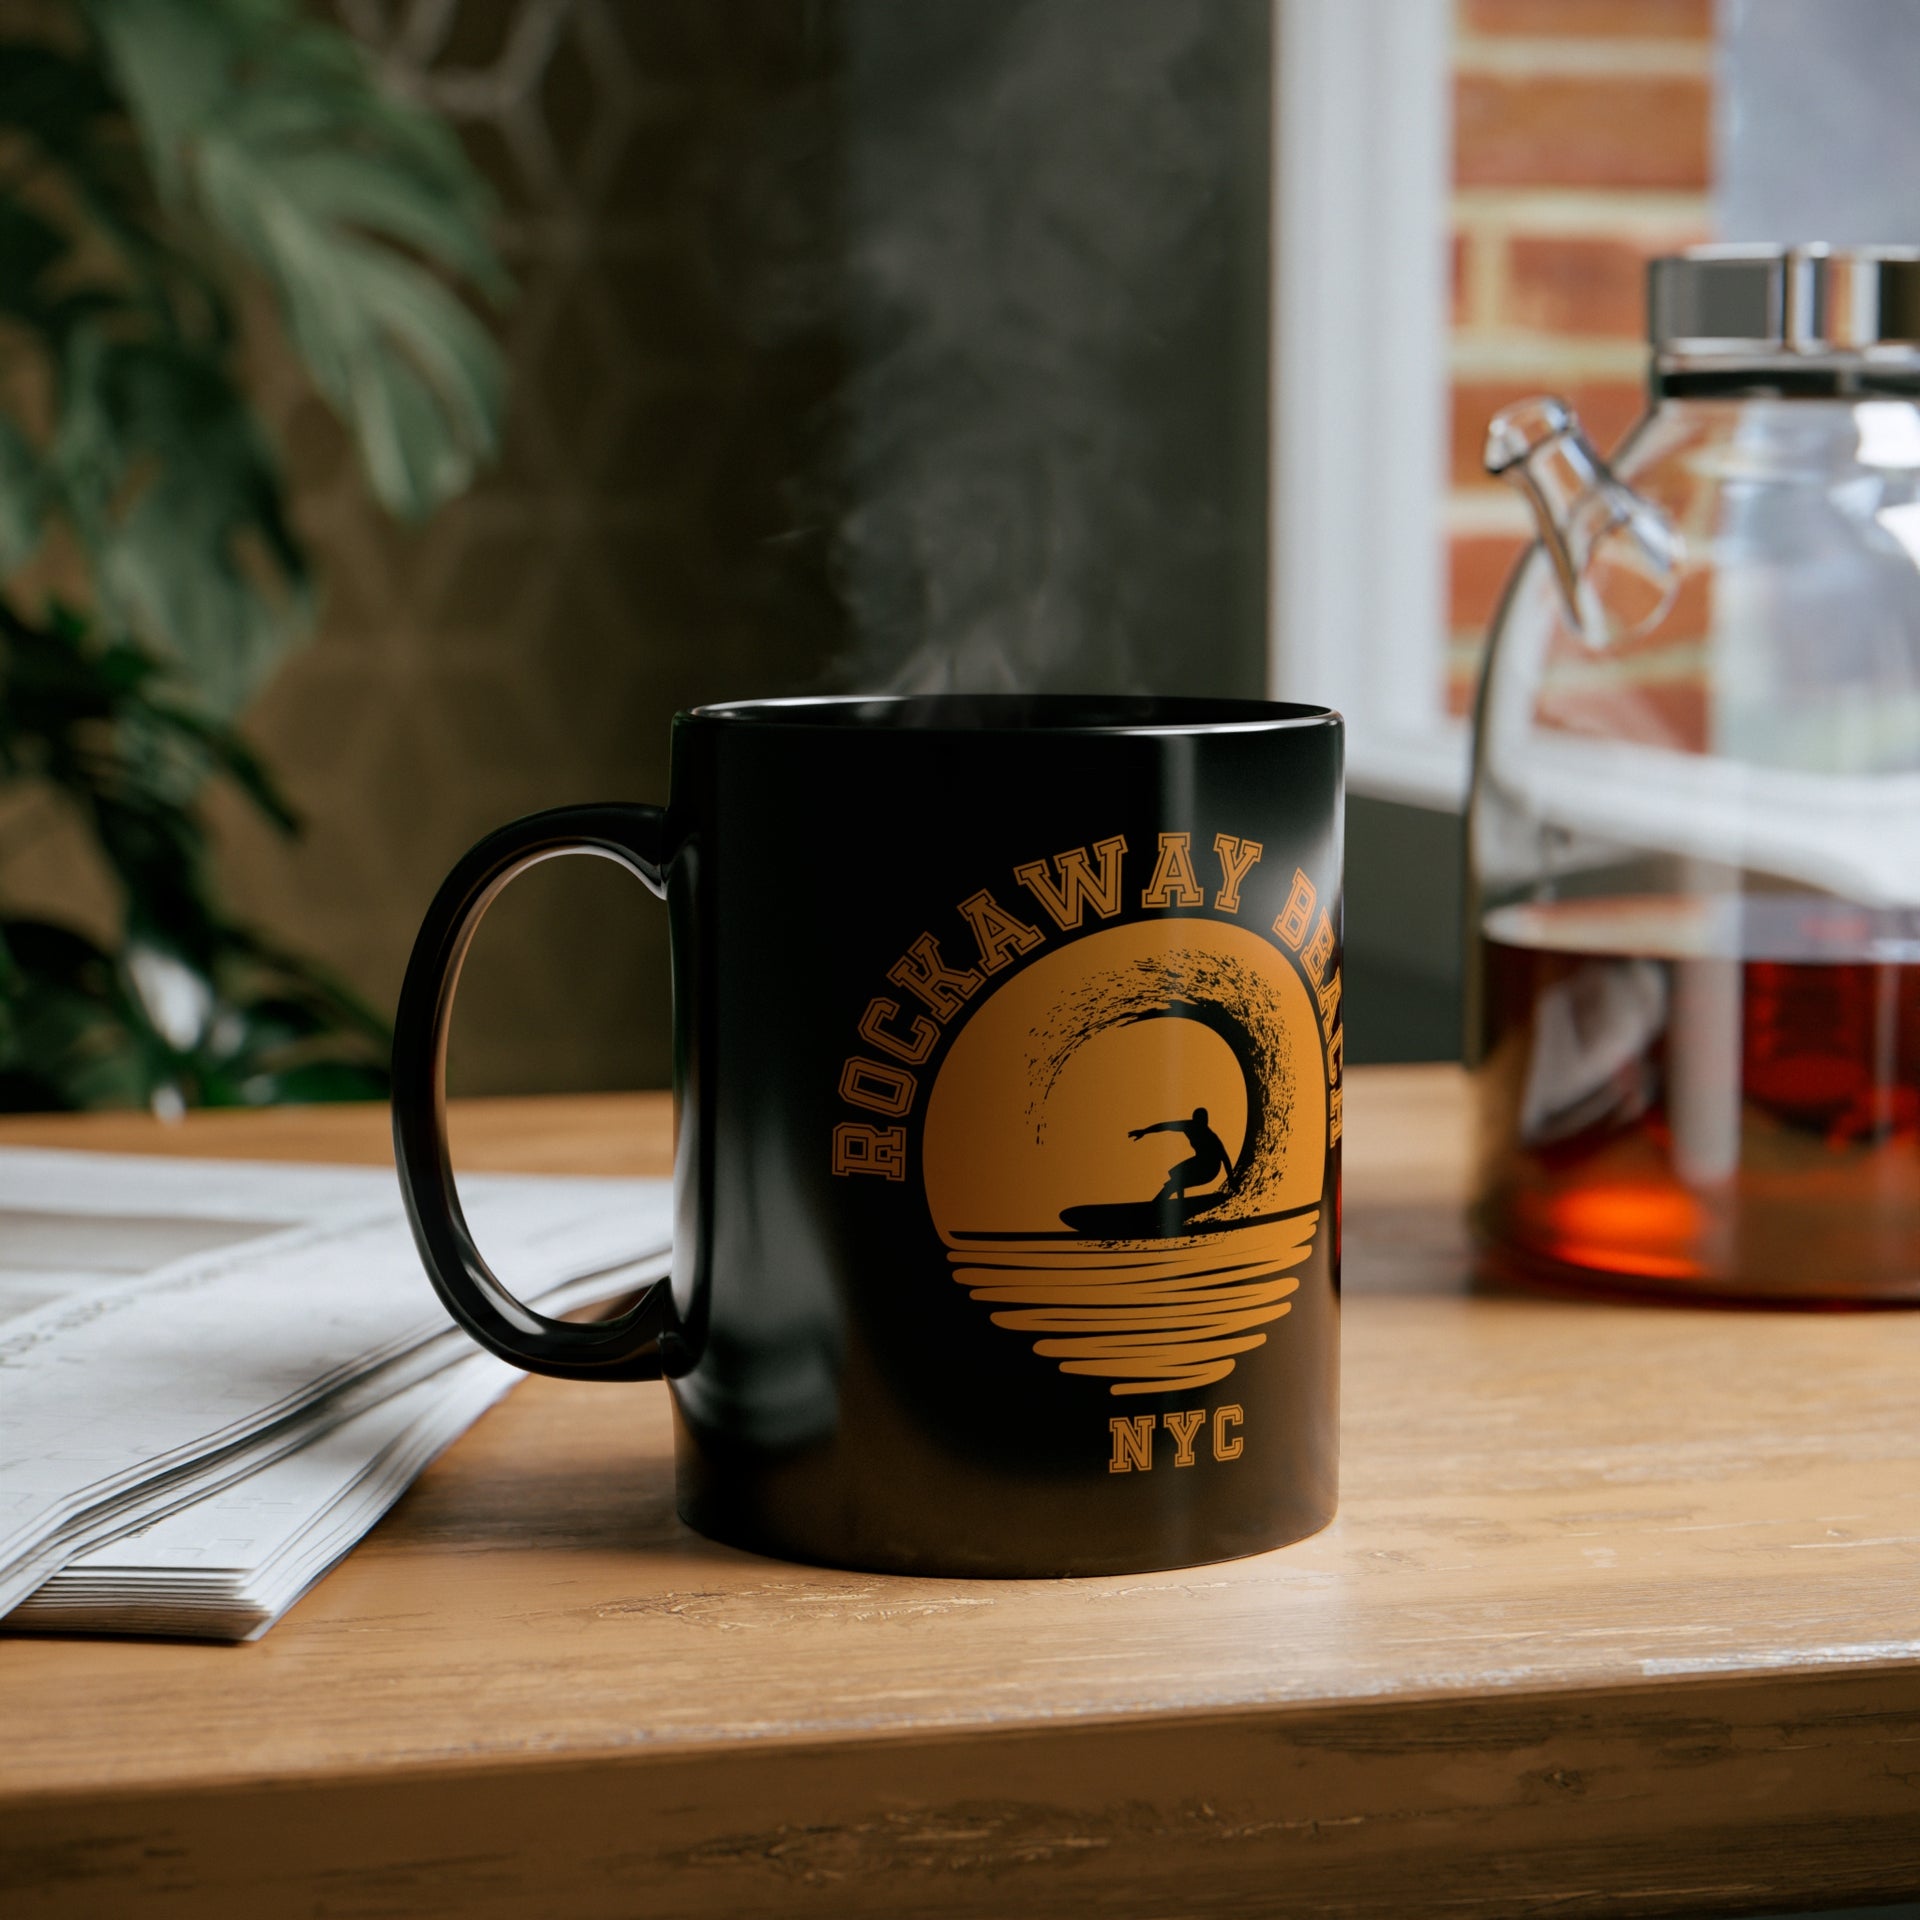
{"x":626,"y":1348}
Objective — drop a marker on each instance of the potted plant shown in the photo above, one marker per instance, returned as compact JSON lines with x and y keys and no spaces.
{"x":158,"y":159}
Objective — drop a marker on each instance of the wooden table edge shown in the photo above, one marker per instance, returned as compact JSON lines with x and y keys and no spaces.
{"x":1688,"y":1792}
{"x":1539,"y":1702}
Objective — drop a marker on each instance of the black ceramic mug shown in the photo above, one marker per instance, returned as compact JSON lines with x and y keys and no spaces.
{"x":1007,"y":1173}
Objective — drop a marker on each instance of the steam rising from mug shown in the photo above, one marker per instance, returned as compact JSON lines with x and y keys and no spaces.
{"x":1050,"y":469}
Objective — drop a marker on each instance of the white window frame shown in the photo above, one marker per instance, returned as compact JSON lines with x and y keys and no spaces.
{"x":1362,"y":158}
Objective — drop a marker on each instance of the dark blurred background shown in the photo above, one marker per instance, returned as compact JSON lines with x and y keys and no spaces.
{"x":896,"y":344}
{"x":855,"y":344}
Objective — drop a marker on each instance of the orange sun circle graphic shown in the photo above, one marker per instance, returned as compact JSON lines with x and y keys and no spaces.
{"x":1125,"y":1151}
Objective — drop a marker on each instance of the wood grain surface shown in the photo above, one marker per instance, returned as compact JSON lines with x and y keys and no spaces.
{"x":1620,"y":1615}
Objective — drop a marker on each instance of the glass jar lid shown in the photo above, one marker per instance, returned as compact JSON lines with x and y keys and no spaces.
{"x":1768,"y":303}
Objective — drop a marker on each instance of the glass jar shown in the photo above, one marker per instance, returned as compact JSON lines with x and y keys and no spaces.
{"x":1694,"y":990}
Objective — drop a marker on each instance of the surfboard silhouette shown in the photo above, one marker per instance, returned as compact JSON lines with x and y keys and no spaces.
{"x":1158,"y":1219}
{"x":1172,"y":1210}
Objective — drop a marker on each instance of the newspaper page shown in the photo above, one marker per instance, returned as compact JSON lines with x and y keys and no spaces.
{"x":171,"y":1327}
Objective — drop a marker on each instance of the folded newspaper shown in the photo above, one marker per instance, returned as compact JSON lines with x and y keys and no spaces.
{"x":215,"y":1376}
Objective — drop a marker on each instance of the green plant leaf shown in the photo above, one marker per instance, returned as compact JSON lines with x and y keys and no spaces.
{"x":140,"y":163}
{"x":314,"y":1081}
{"x":65,"y":109}
{"x":164,"y":472}
{"x":50,"y":95}
{"x":273,"y":131}
{"x":23,"y":497}
{"x":29,"y":247}
{"x":229,"y":754}
{"x":66,"y":1040}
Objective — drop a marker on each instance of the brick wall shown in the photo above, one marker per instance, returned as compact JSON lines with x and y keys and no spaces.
{"x":1582,"y":147}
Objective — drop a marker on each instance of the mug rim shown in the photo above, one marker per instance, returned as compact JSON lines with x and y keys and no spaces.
{"x":1015,"y":713}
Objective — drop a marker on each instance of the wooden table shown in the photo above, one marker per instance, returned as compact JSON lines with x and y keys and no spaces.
{"x":1621,"y":1615}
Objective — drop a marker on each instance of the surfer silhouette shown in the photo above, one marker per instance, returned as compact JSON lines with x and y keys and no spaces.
{"x":1209,"y":1160}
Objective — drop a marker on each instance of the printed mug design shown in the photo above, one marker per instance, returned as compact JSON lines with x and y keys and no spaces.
{"x":1125,"y":1149}
{"x":1124,"y":1146}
